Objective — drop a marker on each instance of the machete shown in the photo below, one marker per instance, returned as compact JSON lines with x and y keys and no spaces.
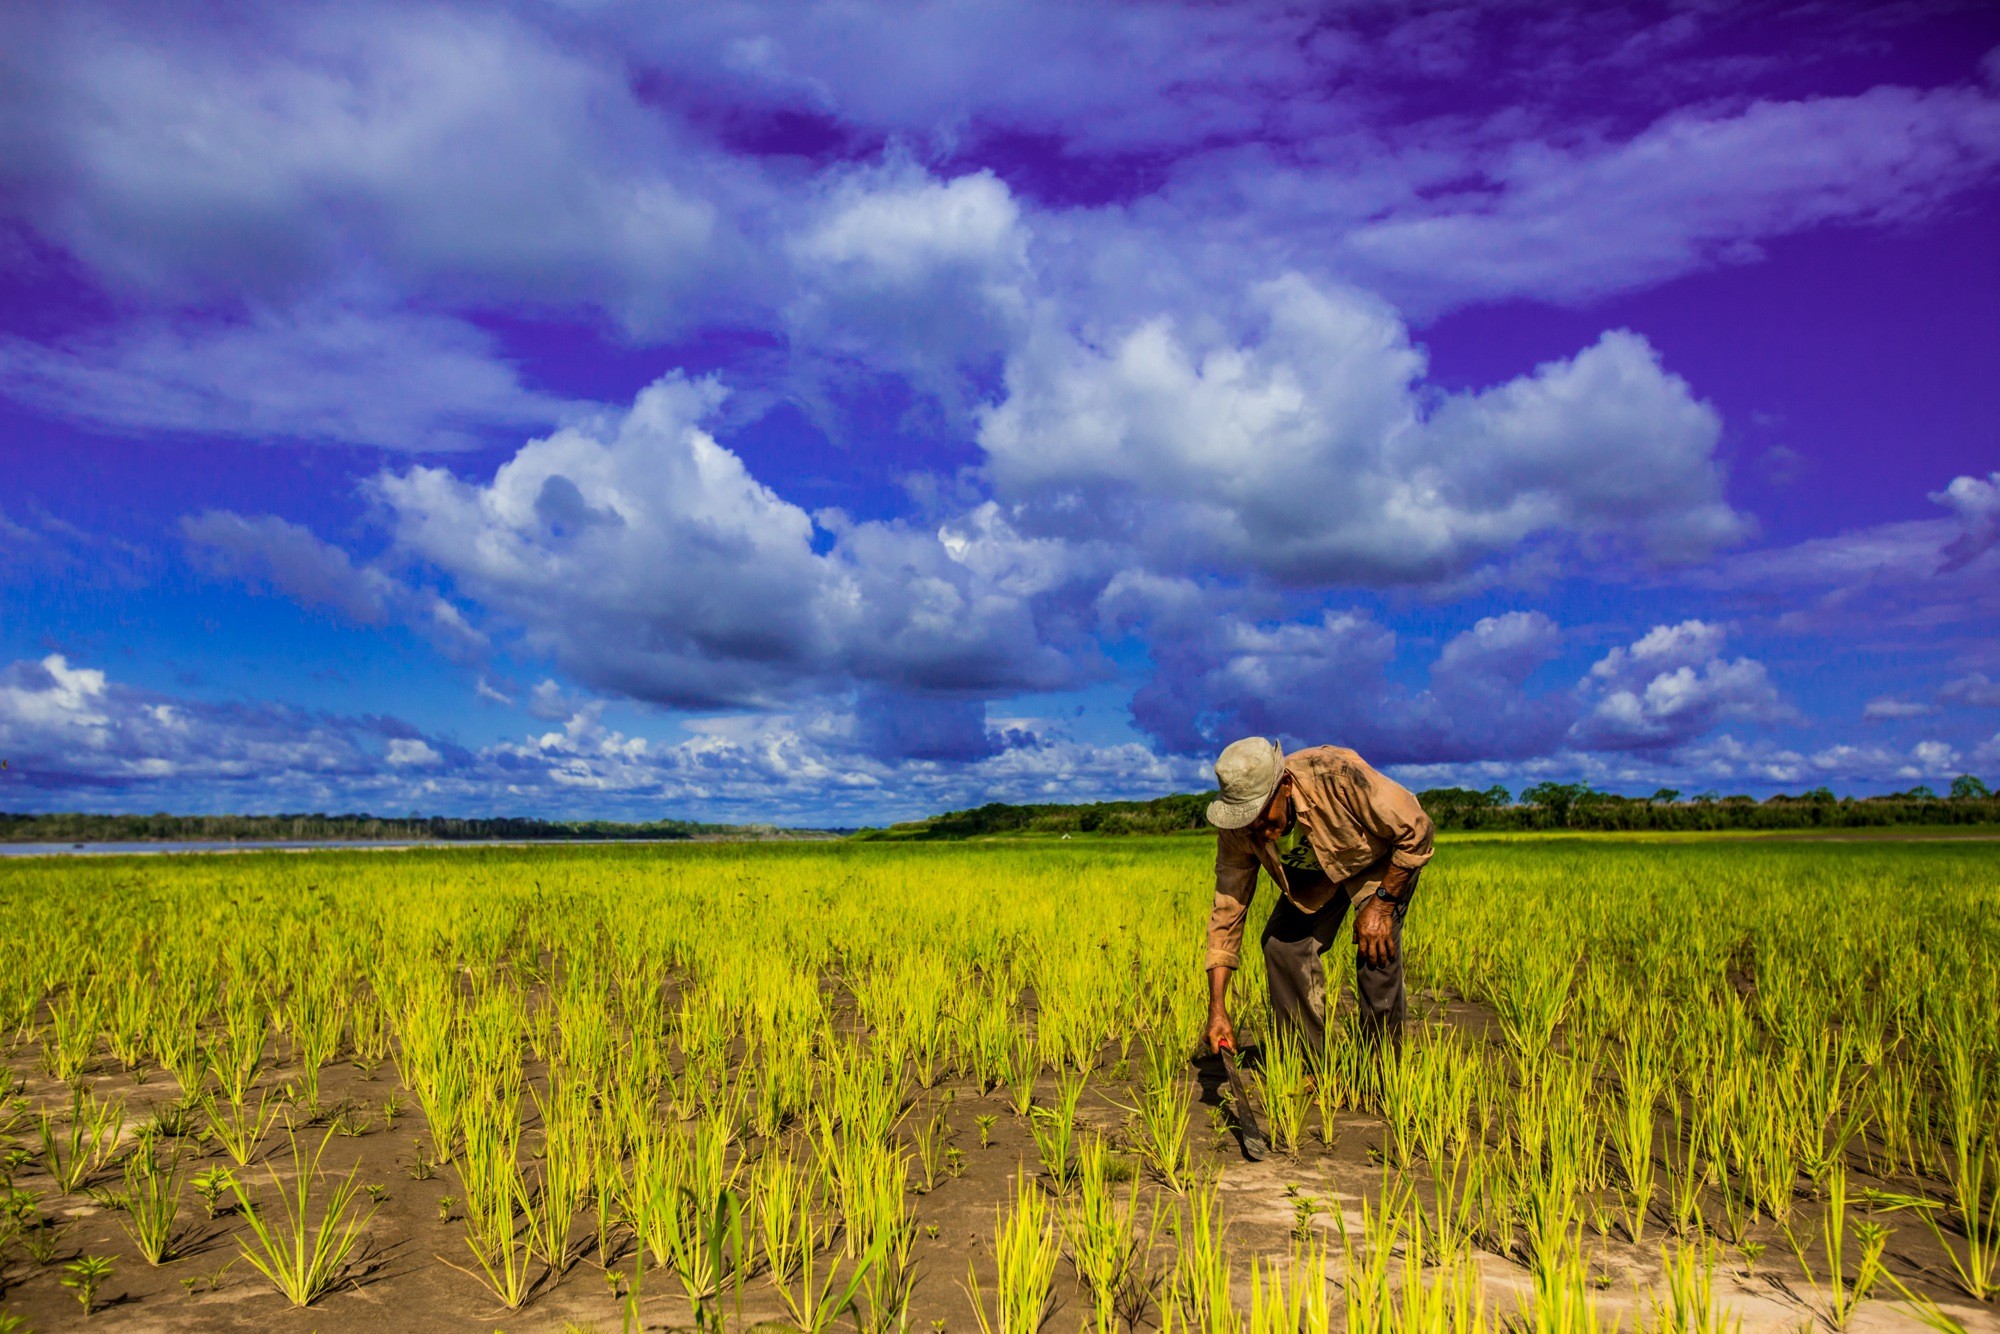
{"x":1255,"y":1147}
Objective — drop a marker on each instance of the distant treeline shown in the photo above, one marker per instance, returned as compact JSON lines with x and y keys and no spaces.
{"x":1161,"y":815}
{"x":1577,"y":806}
{"x":76,"y":828}
{"x":1543,"y":806}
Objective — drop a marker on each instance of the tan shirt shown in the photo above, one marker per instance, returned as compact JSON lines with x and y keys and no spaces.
{"x":1359,"y":824}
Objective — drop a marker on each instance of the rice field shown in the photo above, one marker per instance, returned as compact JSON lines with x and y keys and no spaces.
{"x":1685,"y":1086}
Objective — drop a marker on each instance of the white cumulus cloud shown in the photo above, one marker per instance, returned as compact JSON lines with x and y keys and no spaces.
{"x":1305,"y":452}
{"x":1670,"y":686}
{"x":644,"y":558}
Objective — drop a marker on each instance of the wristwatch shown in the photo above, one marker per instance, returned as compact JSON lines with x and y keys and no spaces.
{"x":1398,"y":902}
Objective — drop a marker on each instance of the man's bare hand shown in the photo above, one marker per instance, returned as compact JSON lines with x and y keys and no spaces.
{"x":1220,"y":1032}
{"x":1375,"y":933}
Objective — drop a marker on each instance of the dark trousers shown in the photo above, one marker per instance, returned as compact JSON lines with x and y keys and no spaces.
{"x":1293,"y":944}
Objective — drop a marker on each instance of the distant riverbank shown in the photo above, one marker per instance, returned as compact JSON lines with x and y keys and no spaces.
{"x":164,"y":847}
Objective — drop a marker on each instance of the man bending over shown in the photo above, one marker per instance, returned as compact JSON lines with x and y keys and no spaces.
{"x":1330,"y":832}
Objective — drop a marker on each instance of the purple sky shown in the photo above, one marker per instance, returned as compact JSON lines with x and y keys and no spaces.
{"x":832,"y":413}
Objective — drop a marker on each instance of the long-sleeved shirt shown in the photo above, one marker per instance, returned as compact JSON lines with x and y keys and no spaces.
{"x":1358,"y":823}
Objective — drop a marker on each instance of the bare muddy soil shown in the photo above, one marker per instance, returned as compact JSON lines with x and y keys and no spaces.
{"x":405,"y":1279}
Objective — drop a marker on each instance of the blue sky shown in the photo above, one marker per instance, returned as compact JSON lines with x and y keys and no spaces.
{"x":838,"y":413}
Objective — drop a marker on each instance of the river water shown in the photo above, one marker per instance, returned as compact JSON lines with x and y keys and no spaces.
{"x":291,"y":845}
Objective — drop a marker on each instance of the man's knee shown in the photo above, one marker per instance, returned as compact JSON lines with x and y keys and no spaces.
{"x":1288,"y":958}
{"x":1381,"y":1000}
{"x":1274,"y":950}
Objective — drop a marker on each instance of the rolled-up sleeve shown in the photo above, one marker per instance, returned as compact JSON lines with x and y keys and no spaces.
{"x":1235,"y":881}
{"x":1392,"y":813}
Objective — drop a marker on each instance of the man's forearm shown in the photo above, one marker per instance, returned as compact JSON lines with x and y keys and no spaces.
{"x":1218,"y":990}
{"x":1396,"y":882}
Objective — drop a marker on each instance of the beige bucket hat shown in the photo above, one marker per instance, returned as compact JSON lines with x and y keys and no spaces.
{"x":1247,"y":772}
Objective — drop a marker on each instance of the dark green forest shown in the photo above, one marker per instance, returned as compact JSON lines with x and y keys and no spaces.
{"x":1543,"y":806}
{"x":75,"y":828}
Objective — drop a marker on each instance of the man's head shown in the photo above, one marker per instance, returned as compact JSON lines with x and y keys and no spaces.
{"x":1248,"y":773}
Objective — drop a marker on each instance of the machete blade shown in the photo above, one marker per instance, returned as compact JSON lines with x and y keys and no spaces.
{"x":1255,"y":1146}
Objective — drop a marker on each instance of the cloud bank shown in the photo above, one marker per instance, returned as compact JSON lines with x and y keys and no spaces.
{"x":1115,"y":359}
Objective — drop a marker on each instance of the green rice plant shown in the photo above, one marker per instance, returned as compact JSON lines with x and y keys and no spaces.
{"x":1553,"y":1137}
{"x":1428,"y":1089}
{"x":1824,"y":1113}
{"x":1026,"y":1247}
{"x":1926,"y":1309}
{"x":1024,"y":1064}
{"x":1689,"y":1308}
{"x":152,"y":1204}
{"x":1762,"y":1145}
{"x":1291,"y":1298}
{"x":74,"y":1023}
{"x":784,"y":1086}
{"x":1839,"y":1295}
{"x":1563,"y":1303}
{"x":85,"y":1143}
{"x":177,"y":1047}
{"x":1892,"y":1098}
{"x":1449,"y":1300}
{"x":1548,"y":1207}
{"x":429,"y":1026}
{"x":173,"y":1120}
{"x":305,"y":1246}
{"x":210,"y":1184}
{"x":1368,"y":1277}
{"x":1685,"y":1174}
{"x":235,"y":1053}
{"x":564,"y":1177}
{"x":708,"y":1253}
{"x":607,"y":1191}
{"x":987,"y":1032}
{"x":1437,"y":1293}
{"x":889,"y":1283}
{"x":489,"y":1166}
{"x":17,"y":1214}
{"x":504,"y":1255}
{"x":317,"y":1019}
{"x":1533,"y":997}
{"x":1163,"y":1115}
{"x":784,"y":1199}
{"x":1641,"y":1081}
{"x":1199,"y":1287}
{"x":237,"y":1127}
{"x":931,"y":1144}
{"x":1567,"y":1093}
{"x":1973,"y":1109}
{"x":1055,"y":1128}
{"x":869,"y":1180}
{"x":128,"y":1023}
{"x":85,"y":1276}
{"x":811,"y":1301}
{"x":41,"y":1237}
{"x":1103,"y":1245}
{"x":925,"y":1026}
{"x":1287,"y":1098}
{"x":368,"y":1031}
{"x":1456,"y":1200}
{"x":1350,"y":1073}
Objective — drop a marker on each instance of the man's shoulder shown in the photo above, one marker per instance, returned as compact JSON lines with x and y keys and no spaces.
{"x":1326,"y":759}
{"x":1337,"y":766}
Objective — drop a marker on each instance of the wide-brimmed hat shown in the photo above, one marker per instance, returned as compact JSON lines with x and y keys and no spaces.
{"x":1247,"y":772}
